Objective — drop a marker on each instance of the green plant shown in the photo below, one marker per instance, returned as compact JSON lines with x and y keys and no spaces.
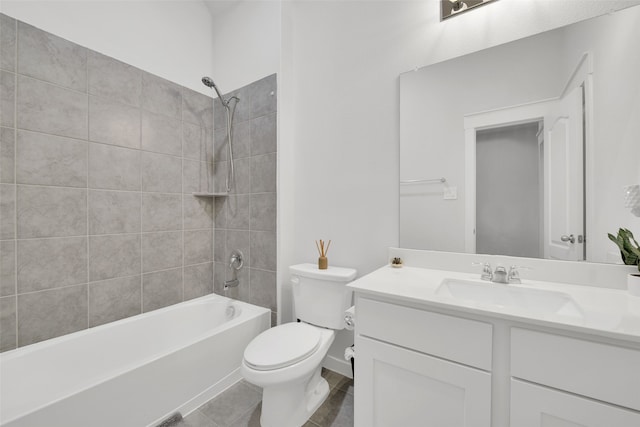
{"x":629,"y":248}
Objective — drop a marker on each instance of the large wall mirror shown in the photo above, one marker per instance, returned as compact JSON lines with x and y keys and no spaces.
{"x":525,"y":149}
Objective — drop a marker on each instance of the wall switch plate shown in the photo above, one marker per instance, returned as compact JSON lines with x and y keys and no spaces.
{"x":450,"y":192}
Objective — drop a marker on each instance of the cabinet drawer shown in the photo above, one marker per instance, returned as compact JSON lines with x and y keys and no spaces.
{"x":596,"y":370}
{"x":460,"y":340}
{"x":537,"y":406}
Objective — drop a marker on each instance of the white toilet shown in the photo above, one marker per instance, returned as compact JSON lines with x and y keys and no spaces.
{"x":286,"y":360}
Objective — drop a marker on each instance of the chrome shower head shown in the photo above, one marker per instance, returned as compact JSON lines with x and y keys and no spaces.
{"x":208,"y":81}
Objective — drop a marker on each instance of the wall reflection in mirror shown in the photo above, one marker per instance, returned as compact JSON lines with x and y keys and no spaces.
{"x":537,"y":140}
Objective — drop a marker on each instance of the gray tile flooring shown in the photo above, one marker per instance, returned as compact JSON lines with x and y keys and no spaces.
{"x":240,"y":406}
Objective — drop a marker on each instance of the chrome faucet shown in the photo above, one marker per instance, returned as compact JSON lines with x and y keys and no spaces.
{"x":500,"y":275}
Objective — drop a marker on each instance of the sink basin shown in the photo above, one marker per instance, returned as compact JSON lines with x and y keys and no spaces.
{"x":538,"y":301}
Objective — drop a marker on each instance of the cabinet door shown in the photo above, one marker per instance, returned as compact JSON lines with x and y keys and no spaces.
{"x":400,"y":387}
{"x":537,"y":406}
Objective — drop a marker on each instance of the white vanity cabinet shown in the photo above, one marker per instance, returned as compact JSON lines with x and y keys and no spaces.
{"x":417,"y":368}
{"x":421,"y":366}
{"x":563,"y":381}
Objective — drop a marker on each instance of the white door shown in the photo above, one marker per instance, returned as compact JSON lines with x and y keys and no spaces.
{"x":564,"y":180}
{"x":537,"y":406}
{"x":400,"y":387}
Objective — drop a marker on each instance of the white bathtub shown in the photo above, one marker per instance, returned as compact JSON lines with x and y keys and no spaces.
{"x":133,"y":372}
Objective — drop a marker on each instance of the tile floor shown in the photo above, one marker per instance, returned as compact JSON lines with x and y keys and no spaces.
{"x":240,"y":406}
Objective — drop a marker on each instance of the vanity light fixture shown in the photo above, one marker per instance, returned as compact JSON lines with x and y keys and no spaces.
{"x":449,"y":8}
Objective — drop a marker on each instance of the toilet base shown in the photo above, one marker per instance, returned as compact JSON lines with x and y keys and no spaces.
{"x":292,"y":404}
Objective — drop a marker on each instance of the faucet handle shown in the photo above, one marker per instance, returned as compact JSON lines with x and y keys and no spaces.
{"x":514,"y":275}
{"x":487,"y":274}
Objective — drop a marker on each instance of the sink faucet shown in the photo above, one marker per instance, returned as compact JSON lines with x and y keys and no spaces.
{"x":500,"y":275}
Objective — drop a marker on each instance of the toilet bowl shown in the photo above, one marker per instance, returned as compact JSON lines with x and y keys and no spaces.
{"x":286,"y":360}
{"x":287,"y":363}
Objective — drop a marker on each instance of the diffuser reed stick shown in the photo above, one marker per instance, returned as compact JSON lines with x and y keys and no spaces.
{"x":323,"y":263}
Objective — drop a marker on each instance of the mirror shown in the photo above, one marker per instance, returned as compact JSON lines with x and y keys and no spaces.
{"x":570,"y":99}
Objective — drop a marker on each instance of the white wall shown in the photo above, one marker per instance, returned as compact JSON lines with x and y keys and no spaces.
{"x":246,"y":41}
{"x":169,"y":38}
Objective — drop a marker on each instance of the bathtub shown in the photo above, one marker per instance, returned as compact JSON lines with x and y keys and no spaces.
{"x":133,"y":372}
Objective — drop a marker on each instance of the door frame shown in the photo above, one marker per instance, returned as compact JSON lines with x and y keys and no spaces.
{"x":582,"y":75}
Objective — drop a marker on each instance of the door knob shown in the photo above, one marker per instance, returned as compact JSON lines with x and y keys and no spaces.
{"x":570,"y":238}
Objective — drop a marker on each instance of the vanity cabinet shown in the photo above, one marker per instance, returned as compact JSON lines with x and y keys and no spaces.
{"x":416,"y":368}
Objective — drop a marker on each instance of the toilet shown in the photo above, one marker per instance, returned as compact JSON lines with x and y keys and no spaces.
{"x":286,"y":360}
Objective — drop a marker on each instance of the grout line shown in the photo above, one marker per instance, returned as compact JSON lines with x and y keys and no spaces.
{"x":141,"y":198}
{"x":87,"y":194}
{"x":15,"y":175}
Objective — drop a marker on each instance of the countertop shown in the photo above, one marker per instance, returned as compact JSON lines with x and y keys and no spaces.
{"x":605,"y":312}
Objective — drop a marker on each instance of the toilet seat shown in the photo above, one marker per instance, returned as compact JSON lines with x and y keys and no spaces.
{"x":282,"y":346}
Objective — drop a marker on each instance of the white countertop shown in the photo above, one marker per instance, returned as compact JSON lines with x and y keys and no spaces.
{"x":605,"y":312}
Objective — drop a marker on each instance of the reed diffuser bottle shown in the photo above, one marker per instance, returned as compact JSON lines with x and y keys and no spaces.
{"x":323,"y":262}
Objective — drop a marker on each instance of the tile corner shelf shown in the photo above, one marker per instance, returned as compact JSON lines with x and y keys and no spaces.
{"x":223,"y":194}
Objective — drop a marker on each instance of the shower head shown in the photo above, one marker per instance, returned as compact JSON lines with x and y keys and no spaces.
{"x":208,"y":81}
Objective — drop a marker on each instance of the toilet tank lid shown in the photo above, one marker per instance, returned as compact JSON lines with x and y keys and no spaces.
{"x":337,"y":274}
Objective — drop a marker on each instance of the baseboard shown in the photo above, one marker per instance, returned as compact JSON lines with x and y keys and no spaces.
{"x":340,"y":366}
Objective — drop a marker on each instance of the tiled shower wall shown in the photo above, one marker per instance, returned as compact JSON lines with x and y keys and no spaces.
{"x":246,"y":220}
{"x":98,"y":163}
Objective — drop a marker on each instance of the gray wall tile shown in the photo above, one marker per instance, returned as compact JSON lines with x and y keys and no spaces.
{"x":114,"y":80}
{"x":238,"y":211}
{"x":197,"y":177}
{"x":263,"y":288}
{"x":263,"y":96}
{"x":161,"y":96}
{"x":242,"y":139}
{"x":114,"y":299}
{"x":161,"y":251}
{"x":7,"y":155}
{"x":263,"y":250}
{"x":114,"y":256}
{"x":263,"y":211}
{"x":197,"y":142}
{"x":8,"y":339}
{"x":7,"y":211}
{"x":220,"y":177}
{"x":161,"y":134}
{"x":7,"y":42}
{"x":220,"y":145}
{"x":263,"y":173}
{"x":51,"y":263}
{"x":197,"y":108}
{"x":51,"y":109}
{"x":219,"y":276}
{"x":161,"y":173}
{"x":220,"y":246}
{"x":51,"y":58}
{"x":264,"y":137}
{"x":7,"y":99}
{"x":219,"y":115}
{"x":238,"y":239}
{"x":114,"y":168}
{"x":50,"y":160}
{"x":112,"y":212}
{"x":114,"y":123}
{"x":198,"y":212}
{"x":220,"y":212}
{"x":161,"y":289}
{"x":198,"y":280}
{"x":7,"y":268}
{"x":198,"y":246}
{"x":161,"y":212}
{"x":49,"y":314}
{"x":242,"y":184}
{"x":51,"y":212}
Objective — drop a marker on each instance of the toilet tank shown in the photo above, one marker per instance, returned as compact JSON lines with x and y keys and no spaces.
{"x":320,"y":297}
